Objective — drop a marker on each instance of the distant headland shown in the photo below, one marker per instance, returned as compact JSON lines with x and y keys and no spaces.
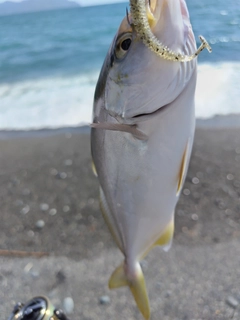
{"x":25,"y":6}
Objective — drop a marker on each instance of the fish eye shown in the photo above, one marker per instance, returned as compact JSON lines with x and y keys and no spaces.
{"x":122,"y":46}
{"x":126,"y":44}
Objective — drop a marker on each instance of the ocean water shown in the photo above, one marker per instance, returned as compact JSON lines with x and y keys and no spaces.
{"x":50,"y":61}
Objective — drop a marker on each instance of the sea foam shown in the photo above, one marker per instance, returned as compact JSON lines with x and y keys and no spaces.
{"x":67,"y":101}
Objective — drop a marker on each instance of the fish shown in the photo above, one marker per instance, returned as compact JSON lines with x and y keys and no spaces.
{"x":142,"y":133}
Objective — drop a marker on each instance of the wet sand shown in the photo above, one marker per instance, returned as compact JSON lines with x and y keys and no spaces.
{"x":49,"y":203}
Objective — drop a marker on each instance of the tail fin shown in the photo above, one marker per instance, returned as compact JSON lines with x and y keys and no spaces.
{"x":136,"y":284}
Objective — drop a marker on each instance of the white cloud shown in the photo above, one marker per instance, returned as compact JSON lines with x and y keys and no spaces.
{"x":1,"y":1}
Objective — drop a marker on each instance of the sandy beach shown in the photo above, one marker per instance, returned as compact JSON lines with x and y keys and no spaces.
{"x":49,"y":203}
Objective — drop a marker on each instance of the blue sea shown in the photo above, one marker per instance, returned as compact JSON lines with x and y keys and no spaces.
{"x":50,"y":61}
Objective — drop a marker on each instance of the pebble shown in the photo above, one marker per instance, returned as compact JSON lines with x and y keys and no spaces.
{"x":91,"y":201}
{"x":168,"y":294}
{"x":230,"y":177}
{"x":60,"y":276}
{"x":28,"y":267}
{"x":53,"y":212}
{"x":68,"y":162}
{"x":104,"y":300}
{"x":194,"y":217}
{"x":44,"y":206}
{"x":232,"y":302}
{"x":233,"y":194}
{"x":199,"y":175}
{"x":225,"y":189}
{"x":40,"y":224}
{"x":91,"y":219}
{"x":228,"y":212}
{"x":16,"y":181}
{"x":82,"y":204}
{"x":186,"y":192}
{"x":231,"y":223}
{"x":209,"y":169}
{"x":62,"y":175}
{"x":18,"y":203}
{"x":34,"y":274}
{"x":78,"y":217}
{"x":26,"y":192}
{"x":53,"y":172}
{"x":195,"y":180}
{"x":237,"y":150}
{"x":25,"y":210}
{"x":220,"y":203}
{"x":68,"y":305}
{"x":180,"y":213}
{"x":66,"y":208}
{"x":236,"y":184}
{"x":30,"y":233}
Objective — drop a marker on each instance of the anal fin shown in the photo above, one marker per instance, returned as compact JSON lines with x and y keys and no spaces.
{"x":165,"y":240}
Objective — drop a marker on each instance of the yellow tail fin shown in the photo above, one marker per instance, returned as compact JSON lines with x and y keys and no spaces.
{"x":137,"y":286}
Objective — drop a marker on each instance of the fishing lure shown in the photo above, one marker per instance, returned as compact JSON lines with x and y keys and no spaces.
{"x":140,"y":21}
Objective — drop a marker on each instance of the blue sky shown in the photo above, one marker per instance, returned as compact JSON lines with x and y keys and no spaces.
{"x":83,"y":2}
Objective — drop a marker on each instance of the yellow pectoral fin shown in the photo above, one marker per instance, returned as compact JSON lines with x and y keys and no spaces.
{"x":165,"y":239}
{"x":137,"y":286}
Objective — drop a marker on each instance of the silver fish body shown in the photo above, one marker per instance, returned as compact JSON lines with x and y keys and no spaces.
{"x":142,"y":135}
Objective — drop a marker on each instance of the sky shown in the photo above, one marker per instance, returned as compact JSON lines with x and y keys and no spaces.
{"x":82,"y":2}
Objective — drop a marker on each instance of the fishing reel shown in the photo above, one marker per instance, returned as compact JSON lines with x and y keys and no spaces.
{"x":38,"y":308}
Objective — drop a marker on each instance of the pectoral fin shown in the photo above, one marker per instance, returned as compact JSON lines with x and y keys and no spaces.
{"x":132,"y":129}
